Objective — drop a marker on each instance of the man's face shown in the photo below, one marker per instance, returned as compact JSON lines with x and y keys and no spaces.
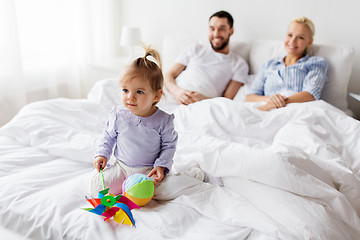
{"x":219,"y":33}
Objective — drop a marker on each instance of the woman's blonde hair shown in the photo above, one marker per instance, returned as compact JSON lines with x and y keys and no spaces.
{"x":310,"y":25}
{"x":307,"y":22}
{"x":146,"y":69}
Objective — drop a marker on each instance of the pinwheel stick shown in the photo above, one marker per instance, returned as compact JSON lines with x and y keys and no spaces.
{"x":102,"y":179}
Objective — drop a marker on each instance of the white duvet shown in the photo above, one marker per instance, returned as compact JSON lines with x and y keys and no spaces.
{"x":291,"y":173}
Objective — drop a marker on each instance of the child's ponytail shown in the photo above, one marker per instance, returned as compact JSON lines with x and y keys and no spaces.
{"x":147,"y":69}
{"x":153,"y":53}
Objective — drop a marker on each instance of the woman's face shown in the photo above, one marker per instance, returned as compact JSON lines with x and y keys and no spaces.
{"x":297,"y":39}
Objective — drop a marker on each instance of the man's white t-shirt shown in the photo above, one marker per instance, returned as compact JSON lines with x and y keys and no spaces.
{"x":209,"y":72}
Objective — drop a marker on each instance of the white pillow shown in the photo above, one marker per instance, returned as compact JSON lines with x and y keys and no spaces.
{"x":261,"y":51}
{"x":107,"y":92}
{"x":243,"y":91}
{"x":340,"y":59}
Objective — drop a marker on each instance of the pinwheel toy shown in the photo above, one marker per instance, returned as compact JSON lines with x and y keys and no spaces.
{"x":110,"y":206}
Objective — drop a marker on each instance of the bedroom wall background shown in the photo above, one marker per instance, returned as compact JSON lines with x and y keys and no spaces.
{"x":45,"y":48}
{"x":336,"y":22}
{"x":45,"y":55}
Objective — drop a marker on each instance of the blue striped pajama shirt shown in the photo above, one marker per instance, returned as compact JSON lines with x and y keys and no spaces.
{"x":308,"y":74}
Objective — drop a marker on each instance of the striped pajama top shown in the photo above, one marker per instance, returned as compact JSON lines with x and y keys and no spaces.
{"x":308,"y":74}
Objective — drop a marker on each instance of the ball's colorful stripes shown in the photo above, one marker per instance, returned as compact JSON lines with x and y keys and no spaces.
{"x":139,"y":188}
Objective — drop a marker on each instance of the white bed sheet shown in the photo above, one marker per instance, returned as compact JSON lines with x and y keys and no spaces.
{"x":292,"y":173}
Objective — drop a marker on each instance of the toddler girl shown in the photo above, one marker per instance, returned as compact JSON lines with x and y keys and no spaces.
{"x":143,"y":135}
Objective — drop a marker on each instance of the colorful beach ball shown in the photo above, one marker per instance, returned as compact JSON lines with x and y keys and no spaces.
{"x":139,"y":188}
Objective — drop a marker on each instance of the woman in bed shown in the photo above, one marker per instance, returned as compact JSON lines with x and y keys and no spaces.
{"x":296,"y":77}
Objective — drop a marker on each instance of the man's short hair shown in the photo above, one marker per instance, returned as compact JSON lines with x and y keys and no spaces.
{"x":224,"y":14}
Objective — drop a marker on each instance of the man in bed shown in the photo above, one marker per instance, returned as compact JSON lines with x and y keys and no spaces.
{"x":203,"y":72}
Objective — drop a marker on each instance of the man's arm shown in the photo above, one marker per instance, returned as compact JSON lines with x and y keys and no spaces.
{"x":171,"y":75}
{"x":182,"y":96}
{"x":232,"y":88}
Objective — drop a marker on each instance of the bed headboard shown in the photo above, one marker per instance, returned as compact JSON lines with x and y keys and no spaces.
{"x":339,"y":57}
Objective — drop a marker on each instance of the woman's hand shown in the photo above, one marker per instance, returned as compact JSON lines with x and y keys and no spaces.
{"x":274,"y":101}
{"x":266,"y":107}
{"x":100,"y":162}
{"x":277,"y":100}
{"x":158,"y":173}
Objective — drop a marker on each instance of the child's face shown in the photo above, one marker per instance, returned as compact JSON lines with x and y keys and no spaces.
{"x":137,"y":96}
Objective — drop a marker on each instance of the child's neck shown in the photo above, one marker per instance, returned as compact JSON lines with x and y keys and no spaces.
{"x":149,"y":113}
{"x":153,"y":110}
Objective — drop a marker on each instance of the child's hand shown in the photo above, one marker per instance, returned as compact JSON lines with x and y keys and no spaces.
{"x":158,"y":173}
{"x":100,"y":162}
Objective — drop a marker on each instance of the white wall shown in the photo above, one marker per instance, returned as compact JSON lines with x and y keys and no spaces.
{"x":336,"y":21}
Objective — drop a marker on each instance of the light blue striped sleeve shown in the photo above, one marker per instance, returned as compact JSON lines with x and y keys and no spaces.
{"x":257,"y":87}
{"x":316,"y":77}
